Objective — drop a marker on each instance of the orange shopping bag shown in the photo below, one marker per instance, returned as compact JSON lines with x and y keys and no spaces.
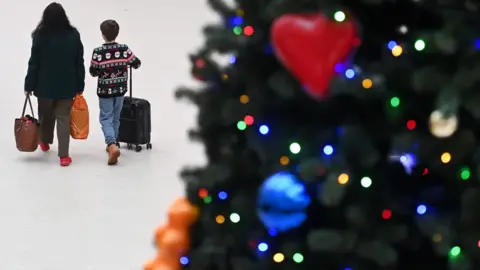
{"x":79,"y":121}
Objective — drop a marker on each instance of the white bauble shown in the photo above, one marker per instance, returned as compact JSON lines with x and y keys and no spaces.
{"x":442,"y":127}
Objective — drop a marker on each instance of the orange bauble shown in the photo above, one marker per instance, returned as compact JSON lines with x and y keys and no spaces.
{"x":162,"y":264}
{"x":159,"y":232}
{"x":182,"y":213}
{"x":173,"y":240}
{"x":168,"y":256}
{"x":166,"y":266}
{"x":150,"y":265}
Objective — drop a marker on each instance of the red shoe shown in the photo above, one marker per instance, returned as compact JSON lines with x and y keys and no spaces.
{"x":44,"y":146}
{"x":65,"y":161}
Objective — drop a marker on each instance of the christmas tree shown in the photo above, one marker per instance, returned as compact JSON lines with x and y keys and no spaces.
{"x":341,"y":136}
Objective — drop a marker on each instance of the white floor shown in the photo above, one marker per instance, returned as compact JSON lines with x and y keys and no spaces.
{"x":91,"y":216}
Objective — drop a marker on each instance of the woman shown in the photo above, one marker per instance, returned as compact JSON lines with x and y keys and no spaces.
{"x":56,"y":73}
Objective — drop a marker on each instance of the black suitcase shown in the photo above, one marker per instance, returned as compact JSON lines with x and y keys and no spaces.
{"x":135,"y":122}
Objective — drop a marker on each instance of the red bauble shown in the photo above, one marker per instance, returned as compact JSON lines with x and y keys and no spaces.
{"x":311,"y":45}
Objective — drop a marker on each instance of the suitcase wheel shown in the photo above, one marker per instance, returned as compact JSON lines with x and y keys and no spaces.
{"x":149,"y":146}
{"x":129,"y":146}
{"x":138,"y":148}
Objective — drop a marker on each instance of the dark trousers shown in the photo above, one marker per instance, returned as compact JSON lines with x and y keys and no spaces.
{"x":49,"y":111}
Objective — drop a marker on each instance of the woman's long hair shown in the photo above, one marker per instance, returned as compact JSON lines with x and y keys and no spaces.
{"x":54,"y":20}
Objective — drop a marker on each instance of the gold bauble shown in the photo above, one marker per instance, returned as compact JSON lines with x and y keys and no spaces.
{"x":442,"y":127}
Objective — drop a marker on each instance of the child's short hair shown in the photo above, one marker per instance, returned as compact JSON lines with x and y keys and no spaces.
{"x":110,"y":29}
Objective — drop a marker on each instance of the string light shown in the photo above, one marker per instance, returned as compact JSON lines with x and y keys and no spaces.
{"x":328,"y":150}
{"x":237,"y":30}
{"x":446,"y":157}
{"x":339,"y":68}
{"x":386,"y":214}
{"x":295,"y":148}
{"x":421,"y":209}
{"x":278,"y":257}
{"x":202,"y":193}
{"x":339,"y":16}
{"x":263,"y":129}
{"x":403,"y":29}
{"x":262,"y":247}
{"x":408,"y":161}
{"x":465,"y":173}
{"x":455,"y":251}
{"x":366,"y":182}
{"x":297,"y":257}
{"x":224,"y":77}
{"x":240,"y":12}
{"x":349,"y":73}
{"x":241,"y":125}
{"x":236,"y":21}
{"x":244,"y":99}
{"x":411,"y":124}
{"x":234,"y":218}
{"x":367,"y":83}
{"x":284,"y":160}
{"x":343,"y":178}
{"x":232,"y":59}
{"x":248,"y":31}
{"x":222,"y":195}
{"x":394,"y":102}
{"x":391,"y":45}
{"x":419,"y":45}
{"x":207,"y":200}
{"x":184,"y":260}
{"x":249,"y":120}
{"x":397,"y":51}
{"x":220,"y":219}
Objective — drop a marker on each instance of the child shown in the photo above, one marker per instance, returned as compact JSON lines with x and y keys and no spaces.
{"x":110,"y":64}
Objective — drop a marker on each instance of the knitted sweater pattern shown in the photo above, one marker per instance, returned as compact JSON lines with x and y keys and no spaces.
{"x":110,"y":64}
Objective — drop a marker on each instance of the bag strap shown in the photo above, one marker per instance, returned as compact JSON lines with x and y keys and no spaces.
{"x":27,"y":99}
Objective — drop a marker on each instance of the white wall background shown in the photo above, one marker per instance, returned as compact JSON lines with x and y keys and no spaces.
{"x":90,"y":216}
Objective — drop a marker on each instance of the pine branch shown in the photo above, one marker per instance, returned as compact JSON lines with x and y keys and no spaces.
{"x":220,"y":7}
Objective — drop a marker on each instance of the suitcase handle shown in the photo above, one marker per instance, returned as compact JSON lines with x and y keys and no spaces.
{"x":131,"y":72}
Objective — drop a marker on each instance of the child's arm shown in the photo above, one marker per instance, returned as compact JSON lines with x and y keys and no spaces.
{"x":133,"y":60}
{"x":94,"y":65}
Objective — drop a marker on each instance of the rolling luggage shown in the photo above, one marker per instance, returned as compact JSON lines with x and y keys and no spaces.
{"x":135,"y":122}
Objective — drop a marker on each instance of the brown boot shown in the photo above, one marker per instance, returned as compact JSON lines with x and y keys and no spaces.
{"x":118,"y":145}
{"x":113,"y":154}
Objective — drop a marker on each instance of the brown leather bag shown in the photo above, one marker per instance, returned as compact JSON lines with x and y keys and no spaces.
{"x":26,"y":130}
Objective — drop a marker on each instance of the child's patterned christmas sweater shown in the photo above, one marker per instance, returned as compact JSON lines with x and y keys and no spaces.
{"x":110,"y":64}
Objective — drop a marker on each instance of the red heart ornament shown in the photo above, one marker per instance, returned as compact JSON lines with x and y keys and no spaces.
{"x":310,"y":46}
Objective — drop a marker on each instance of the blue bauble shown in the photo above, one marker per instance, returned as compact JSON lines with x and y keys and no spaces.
{"x":282,"y":202}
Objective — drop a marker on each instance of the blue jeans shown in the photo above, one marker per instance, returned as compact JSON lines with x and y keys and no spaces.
{"x":110,"y":109}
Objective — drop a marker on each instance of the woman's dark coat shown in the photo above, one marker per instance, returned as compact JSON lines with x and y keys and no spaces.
{"x":56,"y":68}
